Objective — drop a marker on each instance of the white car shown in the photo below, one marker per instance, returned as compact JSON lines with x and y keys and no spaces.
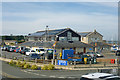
{"x":39,"y":50}
{"x":30,"y":52}
{"x":99,"y":54}
{"x":99,"y":76}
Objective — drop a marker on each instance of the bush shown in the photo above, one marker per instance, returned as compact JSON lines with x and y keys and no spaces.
{"x":33,"y":67}
{"x":51,"y":67}
{"x":11,"y":62}
{"x":26,"y":66}
{"x":45,"y":67}
{"x":18,"y":63}
{"x":22,"y":64}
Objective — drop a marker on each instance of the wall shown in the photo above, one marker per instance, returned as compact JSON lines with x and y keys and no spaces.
{"x":93,"y":36}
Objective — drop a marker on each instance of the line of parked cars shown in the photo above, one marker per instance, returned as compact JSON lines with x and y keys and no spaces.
{"x":31,"y":52}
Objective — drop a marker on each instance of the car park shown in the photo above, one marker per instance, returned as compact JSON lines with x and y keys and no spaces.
{"x":99,"y":76}
{"x":34,"y":56}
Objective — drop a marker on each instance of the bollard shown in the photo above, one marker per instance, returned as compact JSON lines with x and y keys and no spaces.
{"x":55,"y":61}
{"x":74,"y":62}
{"x":36,"y":60}
{"x":104,"y":64}
{"x":90,"y":63}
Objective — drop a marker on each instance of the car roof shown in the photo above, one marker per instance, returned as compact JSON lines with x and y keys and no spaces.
{"x":96,"y":75}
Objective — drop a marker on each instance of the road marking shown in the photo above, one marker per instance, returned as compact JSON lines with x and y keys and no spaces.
{"x":71,"y":77}
{"x":42,"y":75}
{"x":35,"y":73}
{"x":8,"y":75}
{"x":61,"y":77}
{"x":52,"y":76}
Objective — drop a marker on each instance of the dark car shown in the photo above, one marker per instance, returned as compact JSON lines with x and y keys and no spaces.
{"x":21,"y":49}
{"x":24,"y":51}
{"x":11,"y":49}
{"x":118,"y":53}
{"x":34,"y":56}
{"x":17,"y":50}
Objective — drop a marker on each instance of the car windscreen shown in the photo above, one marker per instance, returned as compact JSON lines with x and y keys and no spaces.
{"x":32,"y":51}
{"x":13,"y":47}
{"x":41,"y":49}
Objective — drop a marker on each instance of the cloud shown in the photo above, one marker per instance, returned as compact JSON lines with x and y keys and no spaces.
{"x":104,"y":23}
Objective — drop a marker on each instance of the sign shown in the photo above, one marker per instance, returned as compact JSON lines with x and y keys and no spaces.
{"x":74,"y":59}
{"x":62,"y":62}
{"x":90,"y":48}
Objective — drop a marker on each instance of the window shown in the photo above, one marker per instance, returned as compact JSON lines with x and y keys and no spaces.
{"x":69,"y":36}
{"x":75,"y":38}
{"x":52,"y":38}
{"x":63,"y":38}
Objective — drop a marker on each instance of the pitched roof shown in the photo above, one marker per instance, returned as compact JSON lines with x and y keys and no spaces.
{"x":59,"y":44}
{"x":50,"y":32}
{"x":100,"y":44}
{"x":84,"y":34}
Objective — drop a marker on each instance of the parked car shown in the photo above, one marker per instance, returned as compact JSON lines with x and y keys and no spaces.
{"x":92,"y":54}
{"x":25,"y":50}
{"x":34,"y":56}
{"x":7,"y":47}
{"x":40,"y":51}
{"x":118,"y":53}
{"x":30,"y":52}
{"x":21,"y":49}
{"x":17,"y":50}
{"x":99,"y":76}
{"x":3,"y":48}
{"x":11,"y":49}
{"x":99,"y":54}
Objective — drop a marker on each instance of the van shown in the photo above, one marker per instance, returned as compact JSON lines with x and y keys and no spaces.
{"x":99,"y":76}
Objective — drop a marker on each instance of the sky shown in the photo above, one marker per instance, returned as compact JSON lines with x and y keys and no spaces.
{"x":28,"y":17}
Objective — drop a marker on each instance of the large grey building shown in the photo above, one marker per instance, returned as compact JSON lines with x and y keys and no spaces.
{"x":66,"y":34}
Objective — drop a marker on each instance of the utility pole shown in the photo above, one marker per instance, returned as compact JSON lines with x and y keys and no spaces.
{"x":46,"y":31}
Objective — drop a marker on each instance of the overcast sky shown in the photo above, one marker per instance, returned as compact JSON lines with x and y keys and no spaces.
{"x":29,"y":17}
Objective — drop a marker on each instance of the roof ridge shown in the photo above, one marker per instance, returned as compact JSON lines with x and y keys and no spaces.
{"x":85,"y":32}
{"x":50,"y":30}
